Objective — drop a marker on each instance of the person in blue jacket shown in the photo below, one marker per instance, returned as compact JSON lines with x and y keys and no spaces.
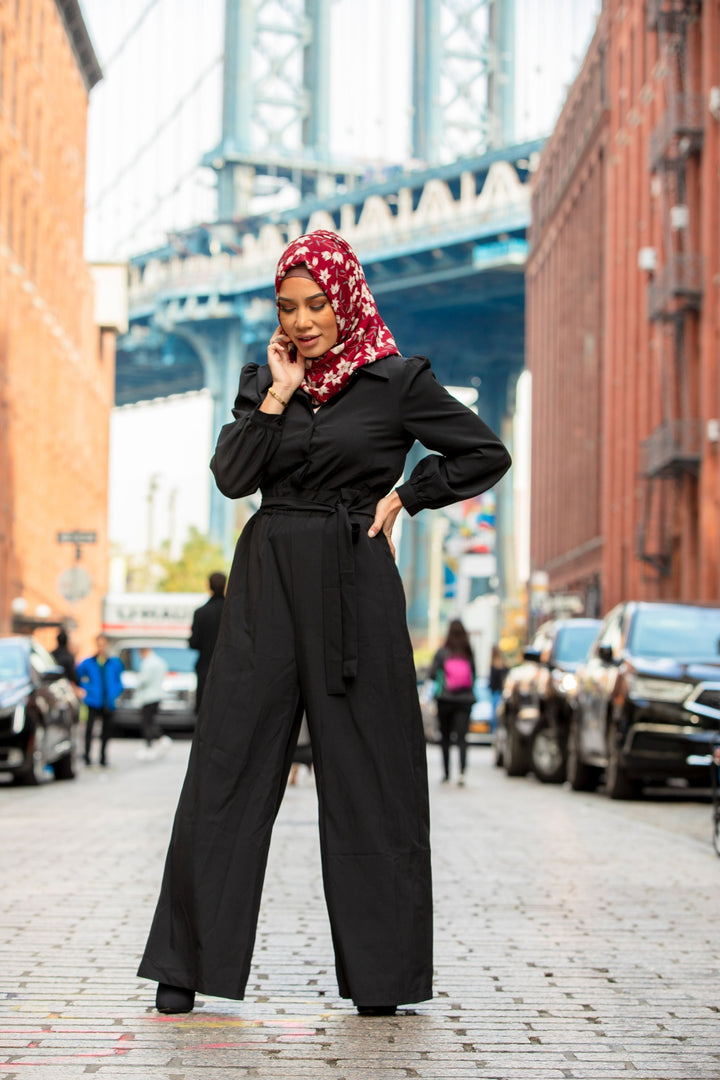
{"x":100,"y":679}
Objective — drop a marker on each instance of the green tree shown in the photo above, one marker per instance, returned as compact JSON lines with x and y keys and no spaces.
{"x":199,"y":557}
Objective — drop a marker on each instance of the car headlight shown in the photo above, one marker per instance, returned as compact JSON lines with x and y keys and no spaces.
{"x":18,"y":719}
{"x":565,"y":681}
{"x":657,"y":689}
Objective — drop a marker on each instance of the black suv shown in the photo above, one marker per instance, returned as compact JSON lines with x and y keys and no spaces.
{"x":534,"y":715}
{"x":648,"y":698}
{"x":38,"y":713}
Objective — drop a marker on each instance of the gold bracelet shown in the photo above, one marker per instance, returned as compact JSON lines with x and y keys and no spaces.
{"x":277,"y":397}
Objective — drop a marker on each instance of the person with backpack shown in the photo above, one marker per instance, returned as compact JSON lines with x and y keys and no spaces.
{"x":453,"y":673}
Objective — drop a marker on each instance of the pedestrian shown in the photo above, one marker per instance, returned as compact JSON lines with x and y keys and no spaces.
{"x":100,"y":677}
{"x":496,"y":682}
{"x":453,"y":671}
{"x":314,"y":621}
{"x":204,"y":631}
{"x":148,"y":693}
{"x":65,"y":659}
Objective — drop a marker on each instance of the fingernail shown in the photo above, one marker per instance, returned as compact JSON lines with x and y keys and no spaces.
{"x":372,"y":532}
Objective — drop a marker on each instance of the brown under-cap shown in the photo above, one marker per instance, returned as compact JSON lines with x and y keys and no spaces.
{"x":299,"y":271}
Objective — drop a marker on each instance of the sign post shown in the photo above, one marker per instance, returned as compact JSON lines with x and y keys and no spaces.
{"x":75,"y":583}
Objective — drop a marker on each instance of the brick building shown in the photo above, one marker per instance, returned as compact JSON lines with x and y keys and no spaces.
{"x":624,"y":314}
{"x":56,"y":364}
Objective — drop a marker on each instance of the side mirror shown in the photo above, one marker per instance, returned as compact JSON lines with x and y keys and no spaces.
{"x":606,"y":654}
{"x":533,"y":655}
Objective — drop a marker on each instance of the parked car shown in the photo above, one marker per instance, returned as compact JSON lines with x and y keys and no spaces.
{"x":177,"y":704}
{"x":648,"y":699}
{"x":38,"y":713}
{"x":536,"y":708}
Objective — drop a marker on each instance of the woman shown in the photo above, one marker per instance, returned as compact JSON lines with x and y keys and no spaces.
{"x":314,"y":621}
{"x":453,"y":670}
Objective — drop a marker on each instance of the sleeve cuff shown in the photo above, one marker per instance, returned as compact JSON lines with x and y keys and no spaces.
{"x":263,"y":419}
{"x":409,"y":499}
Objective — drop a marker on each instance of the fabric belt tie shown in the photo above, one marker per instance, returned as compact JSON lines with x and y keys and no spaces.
{"x":339,"y":600}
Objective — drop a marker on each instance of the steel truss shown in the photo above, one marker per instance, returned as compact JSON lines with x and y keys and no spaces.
{"x":463,"y":77}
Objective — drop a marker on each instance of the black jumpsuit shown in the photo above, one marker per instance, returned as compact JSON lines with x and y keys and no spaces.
{"x":314,"y":619}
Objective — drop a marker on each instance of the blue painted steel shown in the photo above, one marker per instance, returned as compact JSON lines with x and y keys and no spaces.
{"x":445,"y":94}
{"x":316,"y":126}
{"x":427,"y":60}
{"x":506,"y":69}
{"x":237,"y":100}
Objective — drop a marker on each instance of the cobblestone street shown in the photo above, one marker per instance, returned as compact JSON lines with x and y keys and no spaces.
{"x":575,"y":938}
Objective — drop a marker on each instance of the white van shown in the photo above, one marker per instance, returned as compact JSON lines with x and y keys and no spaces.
{"x":162,"y":622}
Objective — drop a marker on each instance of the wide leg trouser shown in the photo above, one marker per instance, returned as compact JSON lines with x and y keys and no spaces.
{"x":369,"y":755}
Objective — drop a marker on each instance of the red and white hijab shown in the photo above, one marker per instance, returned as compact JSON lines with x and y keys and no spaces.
{"x":362,"y":334}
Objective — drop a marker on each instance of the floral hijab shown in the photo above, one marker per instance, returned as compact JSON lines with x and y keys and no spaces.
{"x":362,"y":334}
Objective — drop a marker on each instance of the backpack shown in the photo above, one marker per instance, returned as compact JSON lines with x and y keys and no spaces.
{"x":457,"y":674}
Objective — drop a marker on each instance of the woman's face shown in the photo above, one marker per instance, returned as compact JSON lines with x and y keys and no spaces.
{"x":306,"y":317}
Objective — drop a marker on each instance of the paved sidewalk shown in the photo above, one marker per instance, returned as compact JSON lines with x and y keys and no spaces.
{"x":575,"y":938}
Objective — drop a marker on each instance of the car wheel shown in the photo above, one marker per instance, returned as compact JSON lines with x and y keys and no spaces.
{"x":546,"y":755}
{"x":618,"y":785}
{"x":33,"y":771}
{"x":580,"y":776}
{"x":516,"y":757}
{"x":64,"y":767}
{"x":497,"y":752}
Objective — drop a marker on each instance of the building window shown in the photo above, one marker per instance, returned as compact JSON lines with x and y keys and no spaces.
{"x":28,"y":23}
{"x":10,"y":222}
{"x":36,"y":138}
{"x":22,"y":230}
{"x":41,"y":32}
{"x":13,"y":93}
{"x":34,"y":247}
{"x":26,"y":124}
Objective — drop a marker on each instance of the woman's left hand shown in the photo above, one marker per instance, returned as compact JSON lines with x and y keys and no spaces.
{"x":386,"y":512}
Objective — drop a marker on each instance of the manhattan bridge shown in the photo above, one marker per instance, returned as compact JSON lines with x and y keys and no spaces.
{"x":443,"y":243}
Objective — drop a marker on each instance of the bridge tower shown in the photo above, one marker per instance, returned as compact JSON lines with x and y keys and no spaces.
{"x":276,"y":95}
{"x":455,"y":113}
{"x":275,"y":129}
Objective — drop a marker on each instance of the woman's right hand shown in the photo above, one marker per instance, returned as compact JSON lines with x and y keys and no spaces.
{"x":287,"y":371}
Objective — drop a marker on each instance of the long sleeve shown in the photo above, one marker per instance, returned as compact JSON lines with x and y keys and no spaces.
{"x":195,"y":639}
{"x":472,"y":457}
{"x":246,"y":445}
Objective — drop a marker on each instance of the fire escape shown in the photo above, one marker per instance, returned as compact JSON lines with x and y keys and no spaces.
{"x":672,"y":452}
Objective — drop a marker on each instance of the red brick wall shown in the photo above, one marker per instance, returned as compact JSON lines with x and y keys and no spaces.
{"x":644,"y":377}
{"x":56,"y":385}
{"x":565,"y":338}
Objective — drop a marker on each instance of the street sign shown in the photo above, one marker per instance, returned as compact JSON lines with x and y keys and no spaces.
{"x":77,"y":537}
{"x":74,"y":584}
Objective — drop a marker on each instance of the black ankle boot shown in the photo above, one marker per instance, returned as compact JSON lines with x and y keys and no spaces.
{"x":377,"y":1010}
{"x":174,"y":999}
